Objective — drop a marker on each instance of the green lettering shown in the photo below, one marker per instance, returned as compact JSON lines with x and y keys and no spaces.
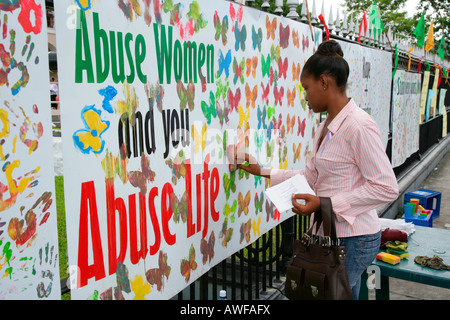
{"x":128,"y":39}
{"x":163,"y":52}
{"x":100,"y":40}
{"x":82,"y":46}
{"x":118,"y":75}
{"x":140,"y":52}
{"x":178,"y":61}
{"x":210,"y":60}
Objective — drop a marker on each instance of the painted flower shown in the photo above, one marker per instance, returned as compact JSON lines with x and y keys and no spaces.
{"x":89,"y":139}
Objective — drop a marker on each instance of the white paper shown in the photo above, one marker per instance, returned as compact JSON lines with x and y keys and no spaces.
{"x":281,"y":194}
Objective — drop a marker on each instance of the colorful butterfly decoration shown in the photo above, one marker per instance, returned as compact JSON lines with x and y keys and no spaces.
{"x":269,"y":210}
{"x":243,"y":173}
{"x":234,"y":99}
{"x":295,"y":39}
{"x":207,"y":248}
{"x":179,"y":207}
{"x":259,"y":139}
{"x":236,"y":17}
{"x":186,"y":95}
{"x":270,"y":149}
{"x":296,"y":69}
{"x":305,"y":43}
{"x":229,"y":183}
{"x":155,"y":93}
{"x":226,"y":233}
{"x":297,"y":149}
{"x":243,"y":203}
{"x":178,"y":167}
{"x":188,"y":265}
{"x":278,"y":94}
{"x":265,"y":93}
{"x":230,"y":212}
{"x":258,"y":181}
{"x":195,"y":15}
{"x":252,"y":65}
{"x":284,"y":36}
{"x":270,"y":112}
{"x":224,"y":63}
{"x":257,"y":38}
{"x":221,"y":28}
{"x":199,"y":139}
{"x":290,"y":122}
{"x":275,"y":52}
{"x":251,"y":95}
{"x":222,"y":112}
{"x":259,"y":201}
{"x":223,"y":143}
{"x":271,"y":27}
{"x":282,"y":67}
{"x":156,"y":276}
{"x":301,"y":90}
{"x":243,"y":117}
{"x":262,"y":118}
{"x":301,"y":127}
{"x":140,"y":178}
{"x":240,"y":36}
{"x":245,"y":231}
{"x":265,"y":65}
{"x":291,"y":97}
{"x":238,"y":69}
{"x":283,"y":158}
{"x":256,"y":223}
{"x":243,"y":135}
{"x":209,"y":108}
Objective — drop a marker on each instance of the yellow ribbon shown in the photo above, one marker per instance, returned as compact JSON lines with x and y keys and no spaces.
{"x":409,"y":62}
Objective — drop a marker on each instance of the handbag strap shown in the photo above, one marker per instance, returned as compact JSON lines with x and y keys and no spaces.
{"x":325,"y":216}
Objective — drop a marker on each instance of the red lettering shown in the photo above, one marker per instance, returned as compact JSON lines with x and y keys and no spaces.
{"x":113,"y":205}
{"x":97,"y":269}
{"x":215,"y":183}
{"x":190,"y":225}
{"x":166,"y":214}
{"x":205,"y":176}
{"x":151,"y":207}
{"x":135,"y":254}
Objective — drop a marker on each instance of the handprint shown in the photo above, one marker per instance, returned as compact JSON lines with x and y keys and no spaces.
{"x":9,"y":60}
{"x":47,"y":263}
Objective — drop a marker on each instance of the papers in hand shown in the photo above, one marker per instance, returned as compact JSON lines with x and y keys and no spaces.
{"x":281,"y":194}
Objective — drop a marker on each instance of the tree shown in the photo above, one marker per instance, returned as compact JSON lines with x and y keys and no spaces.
{"x":391,"y":13}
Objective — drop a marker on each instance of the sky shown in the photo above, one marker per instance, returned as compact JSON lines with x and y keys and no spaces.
{"x":410,"y":7}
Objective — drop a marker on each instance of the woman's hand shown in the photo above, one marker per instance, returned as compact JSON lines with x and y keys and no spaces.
{"x":251,"y":165}
{"x":312,"y":204}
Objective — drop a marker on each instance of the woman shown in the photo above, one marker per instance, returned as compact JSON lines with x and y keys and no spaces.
{"x":348,"y":163}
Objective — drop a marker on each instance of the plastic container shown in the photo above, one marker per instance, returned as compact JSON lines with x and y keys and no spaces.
{"x":222,"y":295}
{"x":424,"y":220}
{"x":429,"y":199}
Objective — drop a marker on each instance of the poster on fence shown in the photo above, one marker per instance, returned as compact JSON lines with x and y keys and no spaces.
{"x":29,"y":268}
{"x":154,"y":97}
{"x":369,"y":84}
{"x":405,"y":115}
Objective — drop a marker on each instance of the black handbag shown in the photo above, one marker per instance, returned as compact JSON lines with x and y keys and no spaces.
{"x":317,"y":270}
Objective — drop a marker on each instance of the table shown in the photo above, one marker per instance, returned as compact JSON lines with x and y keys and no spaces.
{"x":424,"y":241}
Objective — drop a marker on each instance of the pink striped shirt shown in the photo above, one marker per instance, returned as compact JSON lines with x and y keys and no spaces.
{"x":350,"y":167}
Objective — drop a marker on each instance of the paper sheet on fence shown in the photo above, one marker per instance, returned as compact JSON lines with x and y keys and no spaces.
{"x":281,"y":194}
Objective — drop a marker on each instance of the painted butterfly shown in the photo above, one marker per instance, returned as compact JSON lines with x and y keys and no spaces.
{"x":282,"y":67}
{"x":301,"y":127}
{"x":262,"y":118}
{"x":238,"y":69}
{"x":235,"y":17}
{"x":257,"y":38}
{"x":252,"y":65}
{"x":229,"y":183}
{"x":265,"y":65}
{"x":245,"y":231}
{"x":140,"y":179}
{"x":243,"y":117}
{"x":221,"y":28}
{"x":234,"y":99}
{"x":243,"y":203}
{"x":291,"y":96}
{"x":178,"y":167}
{"x":209,"y":109}
{"x":255,"y":226}
{"x":284,"y":36}
{"x":179,"y":207}
{"x":251,"y":95}
{"x":297,"y":149}
{"x":207,"y":248}
{"x":199,"y":139}
{"x":186,"y":95}
{"x":259,"y":200}
{"x":278,"y":94}
{"x":226,"y":233}
{"x":227,"y":210}
{"x":296,"y":69}
{"x":156,"y":276}
{"x":224,"y":63}
{"x":271,"y":27}
{"x":265,"y":93}
{"x":290,"y":122}
{"x":240,"y":36}
{"x":305,"y":43}
{"x":188,"y":265}
{"x":295,"y":38}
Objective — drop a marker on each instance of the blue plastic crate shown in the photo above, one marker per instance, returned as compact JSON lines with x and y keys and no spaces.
{"x":420,"y":220}
{"x":429,"y":199}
